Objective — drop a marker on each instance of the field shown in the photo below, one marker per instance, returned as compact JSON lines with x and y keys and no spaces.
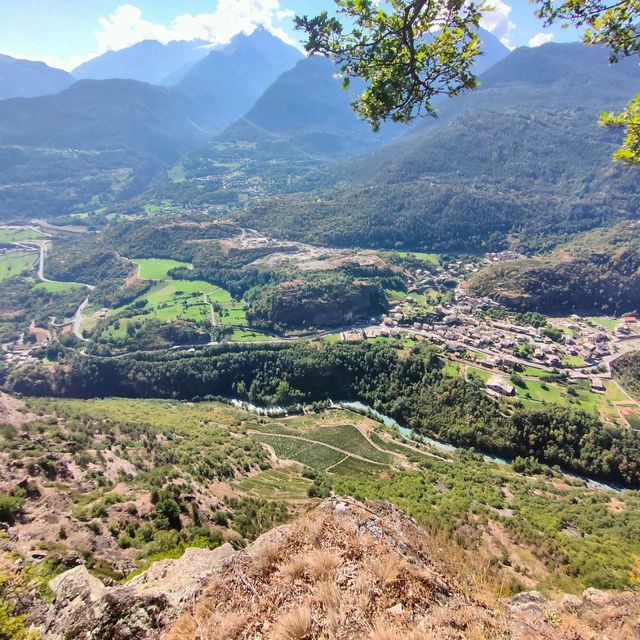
{"x":18,"y":235}
{"x":605,"y":321}
{"x":582,"y":398}
{"x":57,"y":287}
{"x":430,"y":258}
{"x":574,"y":361}
{"x":157,"y":269}
{"x":451,"y":369}
{"x":15,"y":263}
{"x":323,"y":448}
{"x":170,"y":300}
{"x":276,"y":484}
{"x":478,"y":373}
{"x":173,"y":300}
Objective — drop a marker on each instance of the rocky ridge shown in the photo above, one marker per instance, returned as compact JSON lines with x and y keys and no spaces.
{"x":346,"y":569}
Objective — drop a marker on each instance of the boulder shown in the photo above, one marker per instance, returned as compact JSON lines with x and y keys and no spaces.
{"x":85,"y":608}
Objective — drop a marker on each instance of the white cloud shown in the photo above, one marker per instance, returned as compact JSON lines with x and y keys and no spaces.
{"x":496,"y":20}
{"x":541,"y":38}
{"x":126,"y":25}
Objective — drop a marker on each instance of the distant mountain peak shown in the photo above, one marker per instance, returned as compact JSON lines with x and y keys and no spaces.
{"x":227,"y":82}
{"x":147,"y":61}
{"x":28,"y":79}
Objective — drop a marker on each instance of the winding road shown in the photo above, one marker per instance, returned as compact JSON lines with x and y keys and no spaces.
{"x":42,"y":247}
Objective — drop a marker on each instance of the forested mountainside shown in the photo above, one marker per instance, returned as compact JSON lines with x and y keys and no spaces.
{"x":523,"y":154}
{"x":27,"y":79}
{"x":300,"y":126}
{"x":628,"y":369}
{"x":598,"y":270}
{"x":148,"y":61}
{"x":102,"y":141}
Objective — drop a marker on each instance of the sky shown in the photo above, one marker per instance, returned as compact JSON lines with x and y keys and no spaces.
{"x":65,"y":33}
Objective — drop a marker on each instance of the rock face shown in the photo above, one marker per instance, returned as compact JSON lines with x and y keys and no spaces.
{"x":85,"y":608}
{"x":346,"y":570}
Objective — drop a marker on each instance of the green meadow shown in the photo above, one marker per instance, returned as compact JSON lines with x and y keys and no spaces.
{"x":57,"y":287}
{"x":158,"y":269}
{"x":13,"y":264}
{"x":18,"y":235}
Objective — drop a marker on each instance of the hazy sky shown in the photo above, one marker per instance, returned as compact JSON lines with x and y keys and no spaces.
{"x":67,"y":32}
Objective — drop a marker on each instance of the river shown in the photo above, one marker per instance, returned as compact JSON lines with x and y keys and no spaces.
{"x":361,"y":408}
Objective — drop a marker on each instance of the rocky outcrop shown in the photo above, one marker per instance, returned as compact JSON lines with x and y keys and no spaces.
{"x":596,"y":615}
{"x":346,"y":570}
{"x":85,"y":608}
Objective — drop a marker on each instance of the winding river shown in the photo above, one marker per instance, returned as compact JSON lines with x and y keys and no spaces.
{"x":405,"y":432}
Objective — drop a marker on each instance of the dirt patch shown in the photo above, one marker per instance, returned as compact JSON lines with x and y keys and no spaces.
{"x":616,"y":506}
{"x":12,"y":410}
{"x":41,"y":335}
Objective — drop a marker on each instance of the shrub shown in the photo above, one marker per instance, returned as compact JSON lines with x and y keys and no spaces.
{"x":10,"y":507}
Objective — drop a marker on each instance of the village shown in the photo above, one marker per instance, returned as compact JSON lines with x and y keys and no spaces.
{"x":484,"y":339}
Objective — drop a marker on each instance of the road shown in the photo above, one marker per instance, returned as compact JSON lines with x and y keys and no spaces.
{"x":42,"y":246}
{"x":77,"y":321}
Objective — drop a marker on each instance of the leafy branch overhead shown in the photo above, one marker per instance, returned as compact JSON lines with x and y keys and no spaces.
{"x":408,"y":55}
{"x":412,"y":51}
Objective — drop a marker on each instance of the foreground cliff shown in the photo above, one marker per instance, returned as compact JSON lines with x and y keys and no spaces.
{"x":345,"y":570}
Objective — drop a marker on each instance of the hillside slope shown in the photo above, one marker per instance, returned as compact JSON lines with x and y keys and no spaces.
{"x":598,"y":271}
{"x":27,"y":79}
{"x":102,"y":139}
{"x":522,"y":154}
{"x":346,"y":570}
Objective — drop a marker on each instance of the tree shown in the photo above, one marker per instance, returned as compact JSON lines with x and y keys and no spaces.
{"x":408,"y":55}
{"x":419,"y":49}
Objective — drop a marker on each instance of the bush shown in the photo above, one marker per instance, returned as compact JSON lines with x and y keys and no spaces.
{"x":10,"y":507}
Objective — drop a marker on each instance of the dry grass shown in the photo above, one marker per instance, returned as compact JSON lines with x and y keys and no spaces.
{"x":267,"y":557}
{"x":333,"y":573}
{"x":387,"y":631}
{"x":328,"y":594}
{"x":387,"y":568}
{"x":208,"y":625}
{"x":295,"y":569}
{"x":294,"y":625}
{"x":314,"y":528}
{"x":322,"y":564}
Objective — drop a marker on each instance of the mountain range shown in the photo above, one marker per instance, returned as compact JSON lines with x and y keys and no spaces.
{"x":27,"y":79}
{"x":106,"y":139}
{"x":301,"y":124}
{"x":225,"y":84}
{"x":520,"y":157}
{"x":148,"y":61}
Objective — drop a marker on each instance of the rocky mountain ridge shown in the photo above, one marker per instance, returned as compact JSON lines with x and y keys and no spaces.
{"x":346,"y":569}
